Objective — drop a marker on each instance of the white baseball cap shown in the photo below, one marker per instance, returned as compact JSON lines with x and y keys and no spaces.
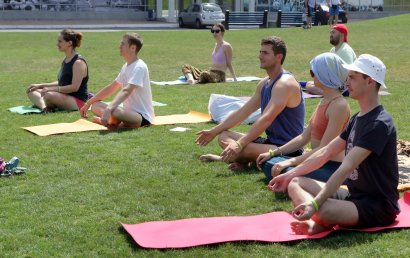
{"x":371,"y":66}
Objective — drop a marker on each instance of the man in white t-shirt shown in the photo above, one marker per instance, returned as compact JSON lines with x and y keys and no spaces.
{"x":135,"y":94}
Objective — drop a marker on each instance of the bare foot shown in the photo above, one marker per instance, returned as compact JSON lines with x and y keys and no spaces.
{"x":123,"y":125}
{"x":236,"y":166}
{"x":210,"y":157}
{"x":191,"y":81}
{"x":307,"y":227}
{"x":97,"y":120}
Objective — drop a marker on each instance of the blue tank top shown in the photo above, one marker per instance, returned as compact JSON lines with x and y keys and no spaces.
{"x":65,"y":77}
{"x":289,"y":123}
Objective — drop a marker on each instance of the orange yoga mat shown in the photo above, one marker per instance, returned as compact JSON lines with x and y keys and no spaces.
{"x":83,"y":125}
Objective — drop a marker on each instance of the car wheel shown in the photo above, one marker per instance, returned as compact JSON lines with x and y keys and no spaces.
{"x":180,"y":22}
{"x":198,"y":24}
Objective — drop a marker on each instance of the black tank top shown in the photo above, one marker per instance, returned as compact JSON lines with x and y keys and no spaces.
{"x":65,"y":77}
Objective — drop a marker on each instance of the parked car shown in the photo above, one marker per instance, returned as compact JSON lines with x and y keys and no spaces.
{"x":201,"y":15}
{"x":323,"y":11}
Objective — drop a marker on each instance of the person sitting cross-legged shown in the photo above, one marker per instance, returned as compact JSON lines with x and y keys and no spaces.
{"x":283,"y":111}
{"x":135,"y":93}
{"x":370,"y":168}
{"x":326,"y":123}
{"x":69,"y":92}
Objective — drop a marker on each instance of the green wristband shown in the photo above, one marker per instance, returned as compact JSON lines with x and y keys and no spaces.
{"x":315,"y":206}
{"x":239,"y":145}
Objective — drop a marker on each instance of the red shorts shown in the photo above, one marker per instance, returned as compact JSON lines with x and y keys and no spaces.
{"x":79,"y":102}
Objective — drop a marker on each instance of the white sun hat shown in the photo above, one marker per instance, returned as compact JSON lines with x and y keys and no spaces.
{"x":371,"y":66}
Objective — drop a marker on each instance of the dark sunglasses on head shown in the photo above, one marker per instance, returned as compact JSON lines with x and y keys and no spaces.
{"x":215,"y":31}
{"x":312,"y":74}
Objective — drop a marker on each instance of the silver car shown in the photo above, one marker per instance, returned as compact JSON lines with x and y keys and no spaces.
{"x":201,"y":15}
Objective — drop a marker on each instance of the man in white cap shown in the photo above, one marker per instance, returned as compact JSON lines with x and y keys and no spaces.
{"x":369,"y":169}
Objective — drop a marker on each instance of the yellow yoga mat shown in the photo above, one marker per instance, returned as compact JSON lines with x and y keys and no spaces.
{"x":83,"y":125}
{"x":192,"y":117}
{"x":80,"y":125}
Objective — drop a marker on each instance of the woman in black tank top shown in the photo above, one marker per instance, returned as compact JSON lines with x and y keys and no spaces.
{"x":69,"y":92}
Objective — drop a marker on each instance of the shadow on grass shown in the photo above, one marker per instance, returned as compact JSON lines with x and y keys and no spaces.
{"x":117,"y":131}
{"x":133,"y":245}
{"x":241,"y":171}
{"x":334,"y":241}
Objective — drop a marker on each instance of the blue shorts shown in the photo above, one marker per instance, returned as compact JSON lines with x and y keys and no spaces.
{"x":310,"y":10}
{"x":334,"y":10}
{"x":321,"y":174}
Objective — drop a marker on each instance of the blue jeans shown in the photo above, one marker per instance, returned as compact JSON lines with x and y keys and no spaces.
{"x":321,"y":174}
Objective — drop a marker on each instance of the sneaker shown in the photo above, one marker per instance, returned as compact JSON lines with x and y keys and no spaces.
{"x":12,"y":164}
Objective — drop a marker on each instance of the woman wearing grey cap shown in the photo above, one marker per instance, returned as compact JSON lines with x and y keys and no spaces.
{"x":327,"y":122}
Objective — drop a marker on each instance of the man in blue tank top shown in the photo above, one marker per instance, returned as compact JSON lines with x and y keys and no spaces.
{"x":280,"y":98}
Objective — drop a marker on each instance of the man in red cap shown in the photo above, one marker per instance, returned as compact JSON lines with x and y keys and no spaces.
{"x":338,"y":38}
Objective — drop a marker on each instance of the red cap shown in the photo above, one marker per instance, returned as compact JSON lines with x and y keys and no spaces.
{"x":343,"y":29}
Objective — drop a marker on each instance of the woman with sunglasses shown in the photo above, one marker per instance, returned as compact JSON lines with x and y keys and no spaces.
{"x":221,"y":61}
{"x":326,"y":123}
{"x":69,"y":92}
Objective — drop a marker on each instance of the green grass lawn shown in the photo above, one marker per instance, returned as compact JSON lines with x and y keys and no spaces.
{"x":79,"y":187}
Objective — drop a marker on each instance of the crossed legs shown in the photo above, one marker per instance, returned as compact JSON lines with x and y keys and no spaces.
{"x":248,"y":154}
{"x":118,"y":116}
{"x":332,"y":212}
{"x":52,"y":100}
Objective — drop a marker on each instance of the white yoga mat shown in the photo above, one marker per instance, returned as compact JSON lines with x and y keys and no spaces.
{"x":182,"y":81}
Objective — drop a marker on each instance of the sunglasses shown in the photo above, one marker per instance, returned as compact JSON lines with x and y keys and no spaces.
{"x":215,"y":31}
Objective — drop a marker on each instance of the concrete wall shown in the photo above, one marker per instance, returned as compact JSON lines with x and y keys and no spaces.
{"x":66,"y":15}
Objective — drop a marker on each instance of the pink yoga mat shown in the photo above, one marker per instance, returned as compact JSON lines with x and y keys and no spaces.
{"x":270,"y":227}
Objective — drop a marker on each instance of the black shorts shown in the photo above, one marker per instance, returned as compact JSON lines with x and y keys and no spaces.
{"x":144,"y":122}
{"x":261,"y":140}
{"x":374,"y":212}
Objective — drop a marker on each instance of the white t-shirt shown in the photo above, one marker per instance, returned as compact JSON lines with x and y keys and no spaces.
{"x":334,"y":2}
{"x":311,"y":3}
{"x":345,"y":52}
{"x":141,"y":99}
